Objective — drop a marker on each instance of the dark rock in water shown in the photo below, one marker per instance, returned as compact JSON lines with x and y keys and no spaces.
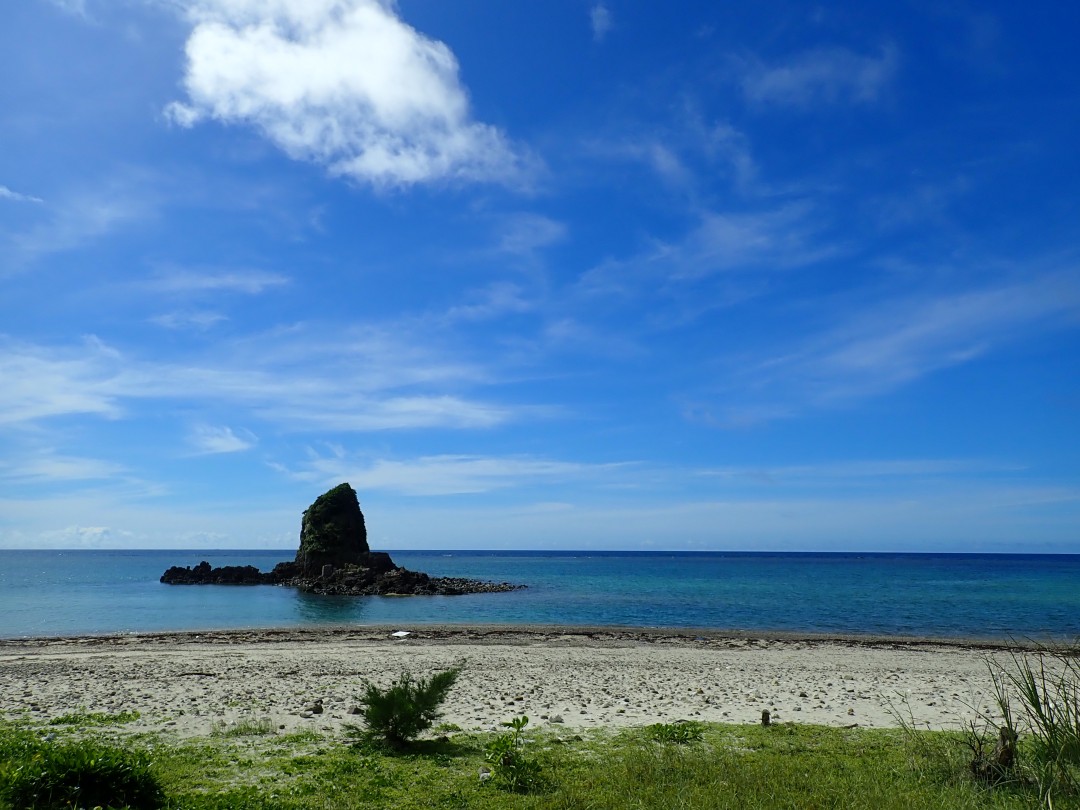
{"x":203,"y":574}
{"x":334,"y":558}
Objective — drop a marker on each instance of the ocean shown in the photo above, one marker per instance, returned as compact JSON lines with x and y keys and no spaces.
{"x":959,"y":596}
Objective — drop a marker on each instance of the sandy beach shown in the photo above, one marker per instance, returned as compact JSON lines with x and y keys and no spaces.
{"x":191,"y":684}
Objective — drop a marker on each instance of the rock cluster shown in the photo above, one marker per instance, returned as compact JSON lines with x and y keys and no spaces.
{"x":334,"y":558}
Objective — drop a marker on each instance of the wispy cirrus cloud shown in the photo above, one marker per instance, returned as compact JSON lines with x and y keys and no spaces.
{"x":525,"y":233}
{"x":214,"y":440}
{"x":45,"y":465}
{"x":494,"y":301}
{"x":719,"y":243}
{"x":601,"y":21}
{"x":212,"y":280}
{"x":7,"y":194}
{"x":861,"y":474}
{"x":896,"y":342}
{"x":81,"y":217}
{"x":449,"y":474}
{"x":820,"y":76}
{"x":74,"y":7}
{"x":346,"y":84}
{"x":199,"y":320}
{"x":354,"y":381}
{"x":41,"y":383}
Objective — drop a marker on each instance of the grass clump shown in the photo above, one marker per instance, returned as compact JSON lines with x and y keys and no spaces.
{"x":245,"y":727}
{"x":38,"y":773}
{"x":1038,"y":697}
{"x":397,"y":714}
{"x":94,"y":719}
{"x":680,"y":733}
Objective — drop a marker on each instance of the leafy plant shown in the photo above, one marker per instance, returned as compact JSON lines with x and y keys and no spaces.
{"x":400,"y":712}
{"x":681,"y":733}
{"x":511,"y":769}
{"x":86,"y":773}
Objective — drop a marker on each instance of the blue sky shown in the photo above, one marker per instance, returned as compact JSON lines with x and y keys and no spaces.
{"x":567,"y":274}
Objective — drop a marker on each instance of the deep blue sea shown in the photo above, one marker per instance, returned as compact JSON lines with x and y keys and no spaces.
{"x":51,"y":593}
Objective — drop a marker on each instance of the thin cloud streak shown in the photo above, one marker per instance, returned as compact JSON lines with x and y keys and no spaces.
{"x":450,"y":474}
{"x":47,"y":466}
{"x":7,"y":194}
{"x":601,"y":21}
{"x":248,"y":282}
{"x":896,"y":343}
{"x":214,"y":440}
{"x":81,"y":218}
{"x":719,"y":243}
{"x":820,"y":77}
{"x":373,"y":383}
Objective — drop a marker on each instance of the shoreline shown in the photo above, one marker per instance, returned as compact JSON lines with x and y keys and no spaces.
{"x":506,"y":633}
{"x":191,"y":684}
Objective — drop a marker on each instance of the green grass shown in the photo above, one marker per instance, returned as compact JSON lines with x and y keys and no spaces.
{"x":94,"y":719}
{"x":245,"y":727}
{"x":782,"y":766}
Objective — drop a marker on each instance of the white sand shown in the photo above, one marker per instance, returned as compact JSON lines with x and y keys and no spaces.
{"x":188,"y":684}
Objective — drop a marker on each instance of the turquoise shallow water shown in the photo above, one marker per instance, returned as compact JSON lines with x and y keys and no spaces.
{"x":47,"y":593}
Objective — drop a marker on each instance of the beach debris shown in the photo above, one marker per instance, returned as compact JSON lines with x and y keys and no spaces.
{"x":400,"y":633}
{"x":766,"y":718}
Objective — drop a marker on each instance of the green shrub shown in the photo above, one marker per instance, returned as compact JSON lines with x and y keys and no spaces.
{"x":87,"y":773}
{"x":397,"y":714}
{"x":511,"y":769}
{"x":683,"y":732}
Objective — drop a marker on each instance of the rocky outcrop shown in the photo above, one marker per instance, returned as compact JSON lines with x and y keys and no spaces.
{"x":334,"y":558}
{"x":332,"y":532}
{"x":203,"y":574}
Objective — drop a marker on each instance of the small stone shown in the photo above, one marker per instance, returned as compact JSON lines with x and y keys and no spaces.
{"x":558,"y":718}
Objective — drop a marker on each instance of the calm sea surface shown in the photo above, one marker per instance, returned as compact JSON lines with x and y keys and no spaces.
{"x":48,"y":593}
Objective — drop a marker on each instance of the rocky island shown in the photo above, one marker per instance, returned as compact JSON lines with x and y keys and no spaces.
{"x":334,"y":558}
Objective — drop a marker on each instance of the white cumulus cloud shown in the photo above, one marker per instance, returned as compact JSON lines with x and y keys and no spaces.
{"x":345,"y":84}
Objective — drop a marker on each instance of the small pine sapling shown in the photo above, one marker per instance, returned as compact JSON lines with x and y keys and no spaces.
{"x":407,"y":707}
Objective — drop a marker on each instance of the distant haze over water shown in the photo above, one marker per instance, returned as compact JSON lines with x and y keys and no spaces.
{"x":51,"y":593}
